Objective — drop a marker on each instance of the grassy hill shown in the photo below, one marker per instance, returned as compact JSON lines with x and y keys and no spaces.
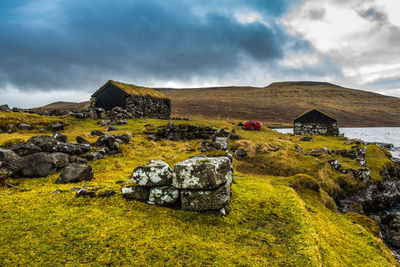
{"x":279,"y":103}
{"x":282,"y":211}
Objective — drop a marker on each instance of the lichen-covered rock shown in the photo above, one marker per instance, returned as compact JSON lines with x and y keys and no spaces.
{"x":202,"y":200}
{"x":74,"y":173}
{"x":138,"y":193}
{"x":202,"y":173}
{"x":24,"y":148}
{"x":36,"y":165}
{"x":5,"y":108}
{"x":163,"y":196}
{"x":241,"y":153}
{"x":157,"y":173}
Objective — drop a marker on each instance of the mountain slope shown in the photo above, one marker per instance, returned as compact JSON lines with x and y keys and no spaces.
{"x":279,"y":103}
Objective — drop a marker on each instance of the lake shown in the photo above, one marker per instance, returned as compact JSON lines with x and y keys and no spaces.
{"x":369,"y":134}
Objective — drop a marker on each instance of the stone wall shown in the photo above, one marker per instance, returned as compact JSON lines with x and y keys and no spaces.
{"x":316,"y":128}
{"x":148,"y":107}
{"x":199,"y":183}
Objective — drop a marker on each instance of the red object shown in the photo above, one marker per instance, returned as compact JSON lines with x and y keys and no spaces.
{"x":252,"y":125}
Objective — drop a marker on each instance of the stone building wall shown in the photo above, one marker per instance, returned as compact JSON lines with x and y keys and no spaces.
{"x":148,"y":107}
{"x":331,"y":129}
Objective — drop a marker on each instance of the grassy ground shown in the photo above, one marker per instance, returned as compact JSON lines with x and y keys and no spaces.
{"x":282,"y":210}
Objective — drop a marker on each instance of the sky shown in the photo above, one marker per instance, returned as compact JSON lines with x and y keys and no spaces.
{"x":63,"y":50}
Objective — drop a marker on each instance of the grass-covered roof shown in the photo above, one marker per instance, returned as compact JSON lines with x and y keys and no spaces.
{"x":133,"y":89}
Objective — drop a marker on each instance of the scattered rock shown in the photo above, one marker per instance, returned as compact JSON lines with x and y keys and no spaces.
{"x":75,"y":172}
{"x":96,"y":133}
{"x":73,"y":149}
{"x":8,"y":155}
{"x":60,"y":137}
{"x":60,"y":159}
{"x":81,"y":140}
{"x":85,"y":193}
{"x":46,"y":143}
{"x":24,"y":126}
{"x":122,"y":122}
{"x":36,"y":165}
{"x":112,"y":128}
{"x":56,"y":127}
{"x":241,"y":153}
{"x":306,"y":138}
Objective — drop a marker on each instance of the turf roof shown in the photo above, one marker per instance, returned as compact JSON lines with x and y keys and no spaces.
{"x":133,"y":89}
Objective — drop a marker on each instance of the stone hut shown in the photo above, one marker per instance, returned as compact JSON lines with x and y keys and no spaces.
{"x":141,"y":102}
{"x":315,"y":122}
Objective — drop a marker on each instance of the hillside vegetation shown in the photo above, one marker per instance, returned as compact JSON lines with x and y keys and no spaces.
{"x":282,"y":208}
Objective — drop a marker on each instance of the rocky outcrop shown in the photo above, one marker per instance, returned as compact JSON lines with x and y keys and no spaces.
{"x":197,"y":184}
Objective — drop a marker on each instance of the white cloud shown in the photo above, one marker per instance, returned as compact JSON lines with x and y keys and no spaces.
{"x":360,"y":37}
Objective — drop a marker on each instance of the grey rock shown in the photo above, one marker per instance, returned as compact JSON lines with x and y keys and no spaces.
{"x":46,"y":143}
{"x":81,"y":140}
{"x":74,"y":173}
{"x":56,"y":127}
{"x":202,"y":173}
{"x":157,"y":173}
{"x":124,"y":138}
{"x":60,"y":137}
{"x":76,"y":159}
{"x":8,"y":155}
{"x":221,"y":143}
{"x":306,"y":138}
{"x":163,"y":196}
{"x":112,"y":128}
{"x":24,"y":126}
{"x":241,"y":153}
{"x":138,"y":193}
{"x":97,"y":133}
{"x":201,"y":200}
{"x":60,"y":159}
{"x":85,"y":193}
{"x":72,"y":148}
{"x":122,"y":122}
{"x":36,"y":165}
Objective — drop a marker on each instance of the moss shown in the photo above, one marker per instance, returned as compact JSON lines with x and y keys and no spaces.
{"x":378,"y":159}
{"x":135,"y":90}
{"x":303,"y":181}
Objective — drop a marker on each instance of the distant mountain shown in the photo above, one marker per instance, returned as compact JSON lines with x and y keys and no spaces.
{"x":277,"y":104}
{"x":69,"y":106}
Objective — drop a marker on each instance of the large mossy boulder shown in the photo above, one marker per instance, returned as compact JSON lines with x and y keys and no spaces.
{"x":202,"y":173}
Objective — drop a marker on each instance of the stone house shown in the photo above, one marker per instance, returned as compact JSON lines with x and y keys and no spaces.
{"x":141,"y":102}
{"x":315,"y":122}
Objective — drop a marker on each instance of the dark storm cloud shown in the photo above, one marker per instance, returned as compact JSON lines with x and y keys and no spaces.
{"x":50,"y":45}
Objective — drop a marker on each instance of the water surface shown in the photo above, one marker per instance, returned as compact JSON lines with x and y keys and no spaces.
{"x":369,"y":134}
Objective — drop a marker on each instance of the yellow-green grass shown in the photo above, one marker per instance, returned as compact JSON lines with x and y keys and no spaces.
{"x":272,"y":222}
